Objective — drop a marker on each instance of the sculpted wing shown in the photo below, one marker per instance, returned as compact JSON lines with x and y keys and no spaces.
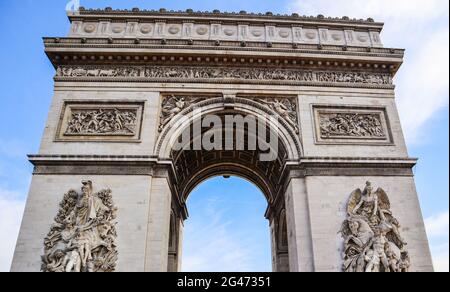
{"x":354,"y":200}
{"x":383,"y":200}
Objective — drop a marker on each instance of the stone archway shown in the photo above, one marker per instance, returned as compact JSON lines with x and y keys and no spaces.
{"x":192,"y":167}
{"x":124,"y":80}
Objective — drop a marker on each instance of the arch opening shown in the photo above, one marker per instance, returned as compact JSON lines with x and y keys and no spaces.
{"x":193,"y":167}
{"x":226,"y":231}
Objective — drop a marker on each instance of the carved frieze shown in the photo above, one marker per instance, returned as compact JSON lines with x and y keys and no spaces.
{"x":83,"y":237}
{"x":286,"y":108}
{"x":222,"y":74}
{"x":351,"y":125}
{"x":372,"y":239}
{"x":96,"y":121}
{"x":102,"y":122}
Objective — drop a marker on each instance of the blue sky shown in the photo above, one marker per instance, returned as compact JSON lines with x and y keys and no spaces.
{"x":420,"y":26}
{"x":226,"y":223}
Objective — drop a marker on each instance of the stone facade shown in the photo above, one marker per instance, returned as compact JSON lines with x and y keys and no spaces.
{"x":123,"y":80}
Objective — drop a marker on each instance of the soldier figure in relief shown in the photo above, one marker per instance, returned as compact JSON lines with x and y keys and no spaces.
{"x":379,"y":256}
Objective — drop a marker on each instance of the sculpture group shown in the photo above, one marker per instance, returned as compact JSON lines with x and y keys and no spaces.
{"x":82,"y":239}
{"x":372,"y":235}
{"x":102,"y":121}
{"x":351,"y":125}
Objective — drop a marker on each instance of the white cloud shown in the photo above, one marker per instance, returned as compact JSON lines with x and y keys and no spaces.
{"x":423,"y":84}
{"x":441,"y":257}
{"x":11,"y":211}
{"x":437,"y":230}
{"x":404,"y":9}
{"x":420,"y":26}
{"x":437,"y":226}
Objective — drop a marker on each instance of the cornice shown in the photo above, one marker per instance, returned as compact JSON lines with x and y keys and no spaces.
{"x":319,"y":160}
{"x":63,"y":51}
{"x":350,"y":166}
{"x":136,"y":43}
{"x":154,"y":166}
{"x":217,"y":15}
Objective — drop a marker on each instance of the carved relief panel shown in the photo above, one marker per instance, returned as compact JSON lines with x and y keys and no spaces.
{"x":83,"y":237}
{"x":223,"y":75}
{"x":351,"y":125}
{"x":372,"y":239}
{"x":113,"y":122}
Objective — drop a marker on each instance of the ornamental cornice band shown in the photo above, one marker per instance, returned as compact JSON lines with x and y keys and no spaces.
{"x":226,"y":26}
{"x":219,"y":75}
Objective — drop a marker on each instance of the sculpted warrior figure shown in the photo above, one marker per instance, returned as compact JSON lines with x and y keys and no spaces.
{"x":378,"y":245}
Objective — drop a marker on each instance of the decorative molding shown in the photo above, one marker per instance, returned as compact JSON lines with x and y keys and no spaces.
{"x":53,"y":45}
{"x":152,"y":166}
{"x":222,"y":74}
{"x":373,"y":242}
{"x":93,"y":121}
{"x":83,"y":238}
{"x":224,"y":26}
{"x":351,"y":125}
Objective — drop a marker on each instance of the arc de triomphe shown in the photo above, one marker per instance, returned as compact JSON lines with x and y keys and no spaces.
{"x":340,"y":191}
